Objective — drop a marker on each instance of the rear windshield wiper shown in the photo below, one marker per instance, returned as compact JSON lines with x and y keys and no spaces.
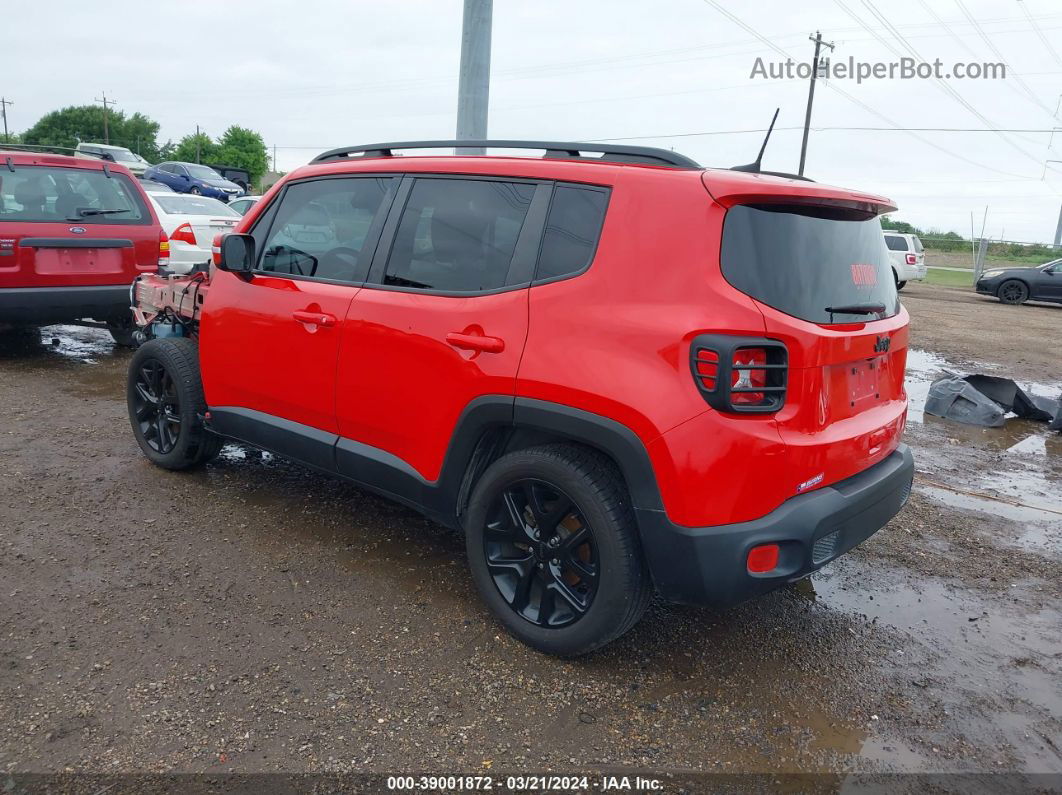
{"x":85,"y":212}
{"x":857,"y":309}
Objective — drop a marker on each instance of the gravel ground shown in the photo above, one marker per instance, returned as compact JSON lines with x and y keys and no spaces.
{"x":255,"y":616}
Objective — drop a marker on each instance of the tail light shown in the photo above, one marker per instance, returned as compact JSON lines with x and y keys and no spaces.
{"x":185,"y":234}
{"x":164,"y":249}
{"x":745,"y":375}
{"x":912,"y":259}
{"x":215,"y":249}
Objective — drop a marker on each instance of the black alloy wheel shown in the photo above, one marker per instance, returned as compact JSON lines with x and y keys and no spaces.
{"x":541,"y":553}
{"x":1013,"y":292}
{"x":157,"y":406}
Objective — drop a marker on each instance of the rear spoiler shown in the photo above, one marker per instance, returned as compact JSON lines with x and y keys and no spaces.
{"x":730,"y":188}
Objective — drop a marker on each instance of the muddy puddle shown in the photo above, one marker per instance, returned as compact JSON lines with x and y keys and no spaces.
{"x":59,"y":344}
{"x":988,"y":652}
{"x":1013,"y":472}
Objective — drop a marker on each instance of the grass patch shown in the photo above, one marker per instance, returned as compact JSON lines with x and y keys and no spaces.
{"x":949,"y":278}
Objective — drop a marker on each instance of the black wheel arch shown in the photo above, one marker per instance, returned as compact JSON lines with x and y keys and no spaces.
{"x":483,"y":435}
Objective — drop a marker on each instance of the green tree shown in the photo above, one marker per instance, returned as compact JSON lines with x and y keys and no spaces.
{"x":185,"y":150}
{"x":69,"y":126}
{"x":243,"y":148}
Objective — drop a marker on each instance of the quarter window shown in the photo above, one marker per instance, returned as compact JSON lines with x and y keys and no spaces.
{"x":321,"y":227}
{"x":895,"y":243}
{"x":572,"y":230}
{"x":458,"y":234}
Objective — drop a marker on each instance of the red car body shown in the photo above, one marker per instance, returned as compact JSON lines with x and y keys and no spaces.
{"x":57,"y":265}
{"x":398,"y":388}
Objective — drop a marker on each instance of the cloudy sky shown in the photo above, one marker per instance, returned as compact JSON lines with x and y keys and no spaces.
{"x":675,"y":73}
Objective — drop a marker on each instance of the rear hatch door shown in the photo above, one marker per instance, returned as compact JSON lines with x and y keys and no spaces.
{"x":63,"y":226}
{"x":819,"y":271}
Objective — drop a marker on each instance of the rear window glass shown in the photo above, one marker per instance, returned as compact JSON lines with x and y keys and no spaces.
{"x":808,"y":261}
{"x":572,"y":229}
{"x":177,"y":204}
{"x":58,"y":195}
{"x":895,"y":243}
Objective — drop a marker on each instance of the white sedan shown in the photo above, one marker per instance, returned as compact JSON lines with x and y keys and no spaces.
{"x":191,"y":222}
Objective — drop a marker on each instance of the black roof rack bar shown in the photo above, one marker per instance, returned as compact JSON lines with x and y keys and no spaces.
{"x":554,"y":149}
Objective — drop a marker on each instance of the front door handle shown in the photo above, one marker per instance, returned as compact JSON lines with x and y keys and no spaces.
{"x":476,"y":342}
{"x":314,"y":318}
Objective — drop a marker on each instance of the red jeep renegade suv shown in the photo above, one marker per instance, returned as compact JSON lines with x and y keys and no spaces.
{"x":74,"y":233}
{"x":615,"y":374}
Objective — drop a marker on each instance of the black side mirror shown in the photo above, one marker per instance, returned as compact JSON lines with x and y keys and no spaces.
{"x":237,"y":253}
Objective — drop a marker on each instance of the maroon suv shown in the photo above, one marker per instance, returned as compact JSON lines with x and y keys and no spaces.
{"x":74,"y":233}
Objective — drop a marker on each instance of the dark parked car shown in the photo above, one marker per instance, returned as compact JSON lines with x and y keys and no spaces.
{"x":239,"y":176}
{"x":1018,"y":285}
{"x":194,"y":178}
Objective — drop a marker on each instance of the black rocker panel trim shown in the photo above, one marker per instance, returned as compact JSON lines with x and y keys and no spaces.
{"x":290,"y":439}
{"x":389,"y":475}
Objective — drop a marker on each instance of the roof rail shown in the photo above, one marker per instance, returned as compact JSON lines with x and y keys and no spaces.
{"x":554,"y":149}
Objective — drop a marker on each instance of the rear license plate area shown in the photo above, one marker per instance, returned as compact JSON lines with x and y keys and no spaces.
{"x":53,"y":261}
{"x":863,"y":379}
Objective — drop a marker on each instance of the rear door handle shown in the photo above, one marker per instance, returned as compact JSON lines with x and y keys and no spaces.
{"x":476,"y":342}
{"x":314,"y":318}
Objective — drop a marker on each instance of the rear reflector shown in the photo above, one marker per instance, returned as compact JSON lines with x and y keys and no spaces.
{"x":763,"y":558}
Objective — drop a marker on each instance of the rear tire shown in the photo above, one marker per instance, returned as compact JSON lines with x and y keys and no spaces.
{"x":194,"y":190}
{"x":896,"y":280}
{"x":164,"y":394}
{"x":554,"y":549}
{"x":1013,"y":291}
{"x":122,"y":332}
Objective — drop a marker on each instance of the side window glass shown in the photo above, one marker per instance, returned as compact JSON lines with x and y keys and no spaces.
{"x":895,"y":243}
{"x":458,"y":234}
{"x":320,"y":228}
{"x":573,"y":227}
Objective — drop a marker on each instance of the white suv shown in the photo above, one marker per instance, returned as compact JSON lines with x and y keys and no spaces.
{"x":116,"y":154}
{"x":907,"y":257}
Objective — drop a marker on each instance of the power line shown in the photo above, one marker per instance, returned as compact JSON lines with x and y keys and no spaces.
{"x":1010,"y":72}
{"x":941,"y":84}
{"x":852,"y":99}
{"x":1040,"y":33}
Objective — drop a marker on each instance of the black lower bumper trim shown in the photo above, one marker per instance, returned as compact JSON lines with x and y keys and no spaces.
{"x":707,"y":565}
{"x":44,"y":305}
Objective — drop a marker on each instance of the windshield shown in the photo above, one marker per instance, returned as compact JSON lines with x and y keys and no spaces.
{"x":179,"y":204}
{"x":805,"y":261}
{"x":202,"y":172}
{"x":49,"y":194}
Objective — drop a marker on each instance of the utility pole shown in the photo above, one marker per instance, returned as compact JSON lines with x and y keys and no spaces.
{"x":473,"y":89}
{"x":817,"y":38}
{"x":4,"y":102}
{"x":197,"y":143}
{"x":106,"y":102}
{"x":274,"y":157}
{"x":1058,"y":229}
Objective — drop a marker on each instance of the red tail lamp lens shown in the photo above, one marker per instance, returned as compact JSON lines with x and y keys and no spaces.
{"x":185,"y":234}
{"x":707,"y":362}
{"x":747,"y":378}
{"x":911,"y":259}
{"x":763,"y":558}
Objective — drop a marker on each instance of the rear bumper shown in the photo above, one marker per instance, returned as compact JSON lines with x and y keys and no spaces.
{"x":44,"y":305}
{"x":707,"y":565}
